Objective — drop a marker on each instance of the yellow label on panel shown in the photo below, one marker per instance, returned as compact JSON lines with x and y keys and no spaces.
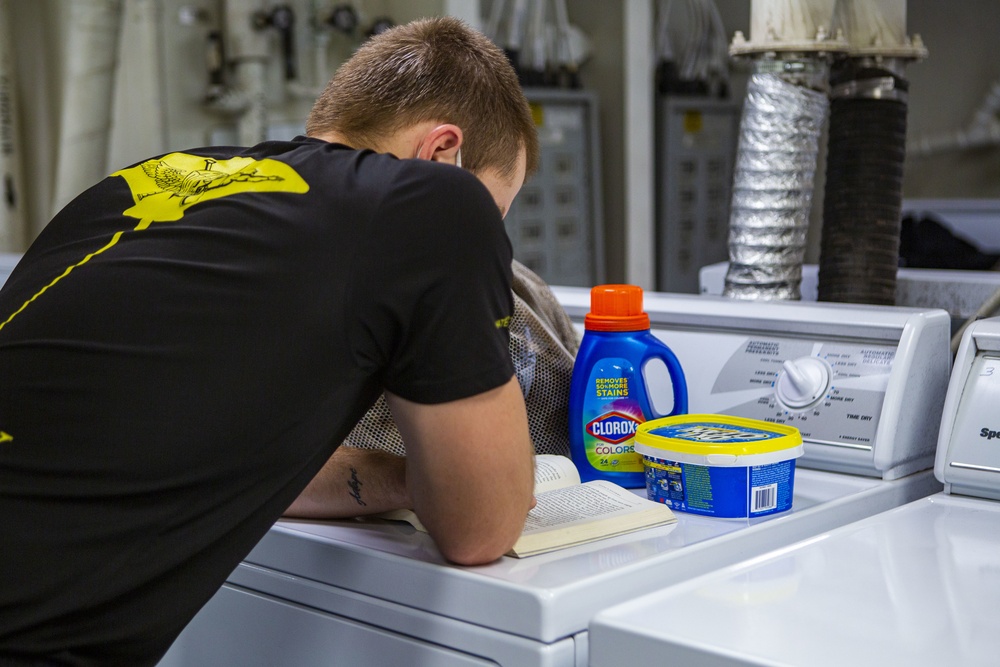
{"x":537,"y":113}
{"x":693,"y":122}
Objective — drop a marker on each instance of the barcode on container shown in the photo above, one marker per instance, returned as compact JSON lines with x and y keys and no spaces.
{"x":764,"y":498}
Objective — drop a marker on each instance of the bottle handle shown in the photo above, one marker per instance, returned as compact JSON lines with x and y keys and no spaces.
{"x":677,"y":379}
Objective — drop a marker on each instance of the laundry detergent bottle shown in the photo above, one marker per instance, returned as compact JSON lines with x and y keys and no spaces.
{"x":609,"y":396}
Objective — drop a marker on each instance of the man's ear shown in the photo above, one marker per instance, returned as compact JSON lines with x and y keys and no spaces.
{"x":441,"y":144}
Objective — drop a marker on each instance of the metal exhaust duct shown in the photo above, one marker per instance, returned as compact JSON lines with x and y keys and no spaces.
{"x":859,"y":248}
{"x":783,"y":117}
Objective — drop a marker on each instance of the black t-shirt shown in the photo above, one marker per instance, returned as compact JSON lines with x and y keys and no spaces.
{"x":185,"y":345}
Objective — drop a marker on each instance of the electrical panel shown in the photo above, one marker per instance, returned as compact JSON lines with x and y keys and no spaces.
{"x":555,"y":224}
{"x":696,"y":142}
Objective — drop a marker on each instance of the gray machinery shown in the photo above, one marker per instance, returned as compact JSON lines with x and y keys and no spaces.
{"x":556,"y":224}
{"x":696,"y":146}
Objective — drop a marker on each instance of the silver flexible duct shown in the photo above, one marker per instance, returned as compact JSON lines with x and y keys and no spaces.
{"x":773,"y":180}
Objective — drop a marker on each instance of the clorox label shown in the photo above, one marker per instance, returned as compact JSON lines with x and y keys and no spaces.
{"x":611,"y":414}
{"x":613,"y":427}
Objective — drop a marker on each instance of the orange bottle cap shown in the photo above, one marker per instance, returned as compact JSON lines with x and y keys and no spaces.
{"x":616,"y":308}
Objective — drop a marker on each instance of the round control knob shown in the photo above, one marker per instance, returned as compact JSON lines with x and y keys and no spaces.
{"x":802,"y":381}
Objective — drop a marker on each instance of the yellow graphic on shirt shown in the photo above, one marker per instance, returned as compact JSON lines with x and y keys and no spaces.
{"x":164,"y":188}
{"x":6,"y":437}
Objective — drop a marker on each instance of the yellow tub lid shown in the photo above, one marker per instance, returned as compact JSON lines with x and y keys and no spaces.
{"x":706,"y":434}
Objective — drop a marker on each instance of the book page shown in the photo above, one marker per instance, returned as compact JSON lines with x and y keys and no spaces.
{"x":584,"y":513}
{"x":553,"y":471}
{"x":409,"y":516}
{"x":583,"y":503}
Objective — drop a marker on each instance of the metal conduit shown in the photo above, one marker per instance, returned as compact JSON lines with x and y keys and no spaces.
{"x":773,"y":181}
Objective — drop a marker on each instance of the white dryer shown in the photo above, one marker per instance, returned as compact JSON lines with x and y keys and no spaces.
{"x":916,"y":585}
{"x":372,"y":593}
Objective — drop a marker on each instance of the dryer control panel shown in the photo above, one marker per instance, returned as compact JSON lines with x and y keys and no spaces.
{"x":832,"y":391}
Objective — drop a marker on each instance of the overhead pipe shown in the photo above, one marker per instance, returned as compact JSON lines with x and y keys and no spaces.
{"x":138,"y":122}
{"x":341,"y":18}
{"x":786,"y":104}
{"x":982,"y":131}
{"x":862,"y":205}
{"x":244,"y":47}
{"x":86,"y":96}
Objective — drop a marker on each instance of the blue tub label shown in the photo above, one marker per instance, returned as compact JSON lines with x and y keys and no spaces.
{"x":716,"y":433}
{"x":726,"y":492}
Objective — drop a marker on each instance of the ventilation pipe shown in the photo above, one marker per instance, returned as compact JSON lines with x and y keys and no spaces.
{"x":982,"y":131}
{"x":138,"y":127}
{"x":859,"y":248}
{"x":783,"y":115}
{"x":246,"y":50}
{"x":88,"y":83}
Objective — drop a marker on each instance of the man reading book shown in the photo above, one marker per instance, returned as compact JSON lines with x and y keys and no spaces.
{"x":187,"y":342}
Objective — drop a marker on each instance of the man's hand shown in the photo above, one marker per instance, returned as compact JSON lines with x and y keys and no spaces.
{"x":354,"y":482}
{"x":469,"y":470}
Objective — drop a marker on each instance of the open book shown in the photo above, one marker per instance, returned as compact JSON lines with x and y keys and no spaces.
{"x":569,"y":513}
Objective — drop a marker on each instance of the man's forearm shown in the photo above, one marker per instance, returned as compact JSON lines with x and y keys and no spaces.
{"x":354,"y":482}
{"x":470,"y":469}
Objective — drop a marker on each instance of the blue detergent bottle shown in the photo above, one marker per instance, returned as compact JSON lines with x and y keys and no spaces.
{"x":609,"y":396}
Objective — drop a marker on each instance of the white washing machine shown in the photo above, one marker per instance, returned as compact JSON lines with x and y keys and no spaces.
{"x":369,"y":592}
{"x":916,"y":585}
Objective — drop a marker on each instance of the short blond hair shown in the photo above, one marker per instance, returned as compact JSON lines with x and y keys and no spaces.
{"x":436,"y":69}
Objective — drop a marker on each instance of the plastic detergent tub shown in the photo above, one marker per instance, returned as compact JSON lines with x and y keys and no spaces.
{"x":718,"y":465}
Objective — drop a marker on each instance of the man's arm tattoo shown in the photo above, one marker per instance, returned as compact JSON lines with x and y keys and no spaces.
{"x":355,"y":485}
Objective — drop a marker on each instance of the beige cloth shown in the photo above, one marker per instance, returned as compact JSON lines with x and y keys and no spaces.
{"x":543,"y":345}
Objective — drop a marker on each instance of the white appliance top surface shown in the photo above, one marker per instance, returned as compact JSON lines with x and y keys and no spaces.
{"x":917,"y":585}
{"x":554,"y":595}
